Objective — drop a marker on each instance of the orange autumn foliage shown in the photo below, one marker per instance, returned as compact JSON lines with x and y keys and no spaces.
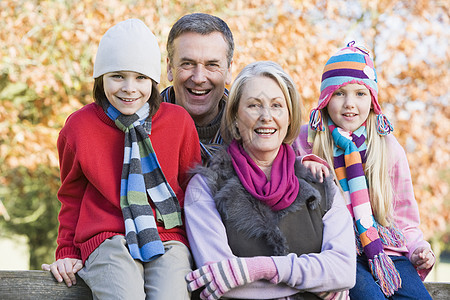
{"x":48,"y":47}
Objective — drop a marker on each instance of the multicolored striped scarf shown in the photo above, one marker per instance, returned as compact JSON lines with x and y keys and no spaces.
{"x":142,"y":175}
{"x":349,"y":155}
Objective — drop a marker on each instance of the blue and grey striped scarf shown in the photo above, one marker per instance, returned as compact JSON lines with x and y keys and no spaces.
{"x":142,"y":175}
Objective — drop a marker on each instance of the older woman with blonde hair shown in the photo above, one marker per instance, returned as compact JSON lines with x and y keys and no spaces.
{"x":260,"y":225}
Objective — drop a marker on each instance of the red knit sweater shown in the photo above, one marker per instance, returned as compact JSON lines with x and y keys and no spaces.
{"x":90,"y":150}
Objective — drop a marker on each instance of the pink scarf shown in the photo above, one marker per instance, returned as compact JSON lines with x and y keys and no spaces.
{"x":282,"y":188}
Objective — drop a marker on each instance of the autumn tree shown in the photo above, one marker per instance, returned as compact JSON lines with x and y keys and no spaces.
{"x":48,"y":47}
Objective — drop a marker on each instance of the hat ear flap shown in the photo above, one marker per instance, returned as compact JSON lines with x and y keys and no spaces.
{"x":315,"y":120}
{"x":384,"y":127}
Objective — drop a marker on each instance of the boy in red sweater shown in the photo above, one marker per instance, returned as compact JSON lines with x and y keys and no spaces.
{"x":124,"y":161}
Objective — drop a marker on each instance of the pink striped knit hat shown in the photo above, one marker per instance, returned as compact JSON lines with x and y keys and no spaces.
{"x":351,"y":64}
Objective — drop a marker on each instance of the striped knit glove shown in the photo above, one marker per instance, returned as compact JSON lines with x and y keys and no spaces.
{"x":220,"y":277}
{"x":344,"y":295}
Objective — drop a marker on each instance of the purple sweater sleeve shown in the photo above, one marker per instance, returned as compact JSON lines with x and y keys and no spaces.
{"x":333,"y":269}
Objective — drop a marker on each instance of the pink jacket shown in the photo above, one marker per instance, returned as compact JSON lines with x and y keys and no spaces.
{"x":406,"y":211}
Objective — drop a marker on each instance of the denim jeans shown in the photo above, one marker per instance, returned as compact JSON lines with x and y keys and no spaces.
{"x":367,"y":288}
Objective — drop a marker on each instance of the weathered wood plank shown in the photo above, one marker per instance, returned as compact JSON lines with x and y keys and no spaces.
{"x":438,"y":290}
{"x":39,"y":285}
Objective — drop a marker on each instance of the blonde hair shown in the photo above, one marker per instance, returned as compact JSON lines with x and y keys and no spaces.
{"x":376,"y":166}
{"x":265,"y":69}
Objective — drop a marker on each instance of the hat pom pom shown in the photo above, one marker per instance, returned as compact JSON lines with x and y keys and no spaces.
{"x":315,"y":120}
{"x":384,"y":127}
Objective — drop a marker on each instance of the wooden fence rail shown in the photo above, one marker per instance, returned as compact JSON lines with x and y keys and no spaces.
{"x":39,"y":285}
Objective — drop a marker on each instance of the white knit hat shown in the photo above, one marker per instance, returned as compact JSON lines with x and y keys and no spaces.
{"x":129,"y":46}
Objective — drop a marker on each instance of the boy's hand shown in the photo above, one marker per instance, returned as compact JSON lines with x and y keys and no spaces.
{"x":64,"y":269}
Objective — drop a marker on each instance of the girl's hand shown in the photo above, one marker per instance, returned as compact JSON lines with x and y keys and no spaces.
{"x":319,"y":170}
{"x":64,"y":269}
{"x":422,"y":258}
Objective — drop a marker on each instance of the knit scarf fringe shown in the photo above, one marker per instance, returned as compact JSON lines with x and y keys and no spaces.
{"x":391,"y":236}
{"x":385,"y":273}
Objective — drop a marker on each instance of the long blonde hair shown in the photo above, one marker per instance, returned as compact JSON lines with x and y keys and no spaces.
{"x":376,"y":167}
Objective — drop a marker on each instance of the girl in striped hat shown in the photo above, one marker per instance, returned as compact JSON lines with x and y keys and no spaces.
{"x":349,"y":131}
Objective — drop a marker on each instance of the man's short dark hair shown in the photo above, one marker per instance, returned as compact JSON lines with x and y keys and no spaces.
{"x":203,"y":24}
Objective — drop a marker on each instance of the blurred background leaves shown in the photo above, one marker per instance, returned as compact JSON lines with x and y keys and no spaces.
{"x":48,"y":47}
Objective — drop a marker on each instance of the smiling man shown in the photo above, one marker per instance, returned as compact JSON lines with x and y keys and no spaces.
{"x":200,"y":55}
